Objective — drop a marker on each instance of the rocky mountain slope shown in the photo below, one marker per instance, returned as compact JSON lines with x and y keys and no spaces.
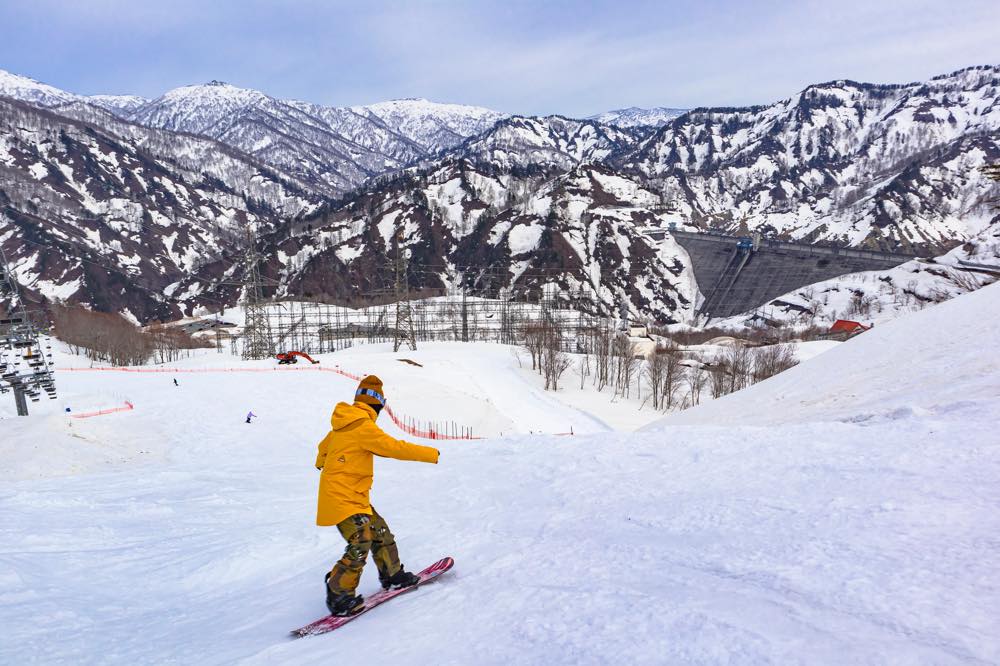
{"x":889,"y":166}
{"x":157,"y":192}
{"x":466,"y":226}
{"x":114,"y":218}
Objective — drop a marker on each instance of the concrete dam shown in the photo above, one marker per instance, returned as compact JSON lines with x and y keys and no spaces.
{"x":738,"y":274}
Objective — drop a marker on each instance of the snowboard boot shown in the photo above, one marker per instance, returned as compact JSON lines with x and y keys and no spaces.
{"x":343,"y":604}
{"x":401,"y":578}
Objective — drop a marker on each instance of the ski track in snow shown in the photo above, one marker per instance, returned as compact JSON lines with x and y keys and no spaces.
{"x":860,"y":530}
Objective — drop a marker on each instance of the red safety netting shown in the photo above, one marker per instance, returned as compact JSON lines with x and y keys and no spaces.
{"x":411,"y":426}
{"x":430,"y":430}
{"x":127,"y":407}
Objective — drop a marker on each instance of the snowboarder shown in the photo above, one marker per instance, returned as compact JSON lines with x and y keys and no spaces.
{"x":345,"y":458}
{"x":250,"y":415}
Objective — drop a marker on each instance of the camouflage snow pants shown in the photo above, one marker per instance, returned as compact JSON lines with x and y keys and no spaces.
{"x":364,"y":534}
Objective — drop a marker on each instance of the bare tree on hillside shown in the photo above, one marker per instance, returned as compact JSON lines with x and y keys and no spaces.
{"x":534,"y":341}
{"x":555,"y":362}
{"x":625,"y":363}
{"x":602,"y":343}
{"x":771,"y":360}
{"x":654,"y":371}
{"x":673,"y":376}
{"x":737,"y":362}
{"x":170,"y":343}
{"x":101,"y":336}
{"x":717,"y":378}
{"x":696,"y":383}
{"x":111,"y":338}
{"x":664,"y":374}
{"x":584,"y":368}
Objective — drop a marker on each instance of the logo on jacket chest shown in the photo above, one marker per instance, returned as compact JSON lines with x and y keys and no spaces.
{"x":342,"y":459}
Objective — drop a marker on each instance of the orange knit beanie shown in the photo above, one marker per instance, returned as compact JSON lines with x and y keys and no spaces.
{"x":370,"y":391}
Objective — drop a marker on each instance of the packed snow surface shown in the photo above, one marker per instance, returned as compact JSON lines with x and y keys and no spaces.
{"x":843,"y":512}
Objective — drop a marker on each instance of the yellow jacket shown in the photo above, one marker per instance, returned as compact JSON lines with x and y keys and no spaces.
{"x":345,"y":456}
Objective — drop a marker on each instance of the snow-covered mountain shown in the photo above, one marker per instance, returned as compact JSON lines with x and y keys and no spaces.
{"x":30,"y":90}
{"x":333,"y":149}
{"x":432,"y":125}
{"x":213,"y":108}
{"x":582,"y":230}
{"x":635,"y":116}
{"x":114,"y":218}
{"x":198,"y":108}
{"x":121,"y":105}
{"x":891,"y":166}
{"x":42,"y":94}
{"x":552,"y":144}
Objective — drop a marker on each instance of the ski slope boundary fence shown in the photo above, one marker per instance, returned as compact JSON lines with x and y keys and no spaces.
{"x":127,"y":407}
{"x":430,"y":430}
{"x":409,"y":425}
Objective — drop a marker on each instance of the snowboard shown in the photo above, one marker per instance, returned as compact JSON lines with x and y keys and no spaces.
{"x":331,"y":622}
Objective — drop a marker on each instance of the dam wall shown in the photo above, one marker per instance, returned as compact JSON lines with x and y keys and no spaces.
{"x":737,"y":274}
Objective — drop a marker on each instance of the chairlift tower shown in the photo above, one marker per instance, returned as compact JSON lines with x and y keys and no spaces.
{"x":24,"y":367}
{"x":257,"y":341}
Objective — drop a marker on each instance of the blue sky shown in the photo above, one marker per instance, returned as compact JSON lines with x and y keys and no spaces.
{"x":574,"y":58}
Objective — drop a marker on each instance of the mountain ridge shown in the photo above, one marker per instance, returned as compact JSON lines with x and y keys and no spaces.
{"x":888,"y":166}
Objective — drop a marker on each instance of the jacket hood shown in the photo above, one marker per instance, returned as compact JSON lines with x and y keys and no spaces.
{"x":345,"y":414}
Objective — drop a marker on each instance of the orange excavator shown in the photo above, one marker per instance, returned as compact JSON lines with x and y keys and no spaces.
{"x":290,"y":357}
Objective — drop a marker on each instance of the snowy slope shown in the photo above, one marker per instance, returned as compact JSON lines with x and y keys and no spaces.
{"x":197,"y":108}
{"x":939,"y":362}
{"x":856,"y":528}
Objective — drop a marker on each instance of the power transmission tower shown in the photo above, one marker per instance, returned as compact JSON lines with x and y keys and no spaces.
{"x":24,"y":367}
{"x":404,"y":333}
{"x":257,"y":341}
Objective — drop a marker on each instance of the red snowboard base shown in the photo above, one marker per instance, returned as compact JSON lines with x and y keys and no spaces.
{"x":331,"y":622}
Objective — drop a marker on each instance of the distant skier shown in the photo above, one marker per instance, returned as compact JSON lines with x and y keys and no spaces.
{"x":345,"y":457}
{"x":250,"y":415}
{"x":175,"y":382}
